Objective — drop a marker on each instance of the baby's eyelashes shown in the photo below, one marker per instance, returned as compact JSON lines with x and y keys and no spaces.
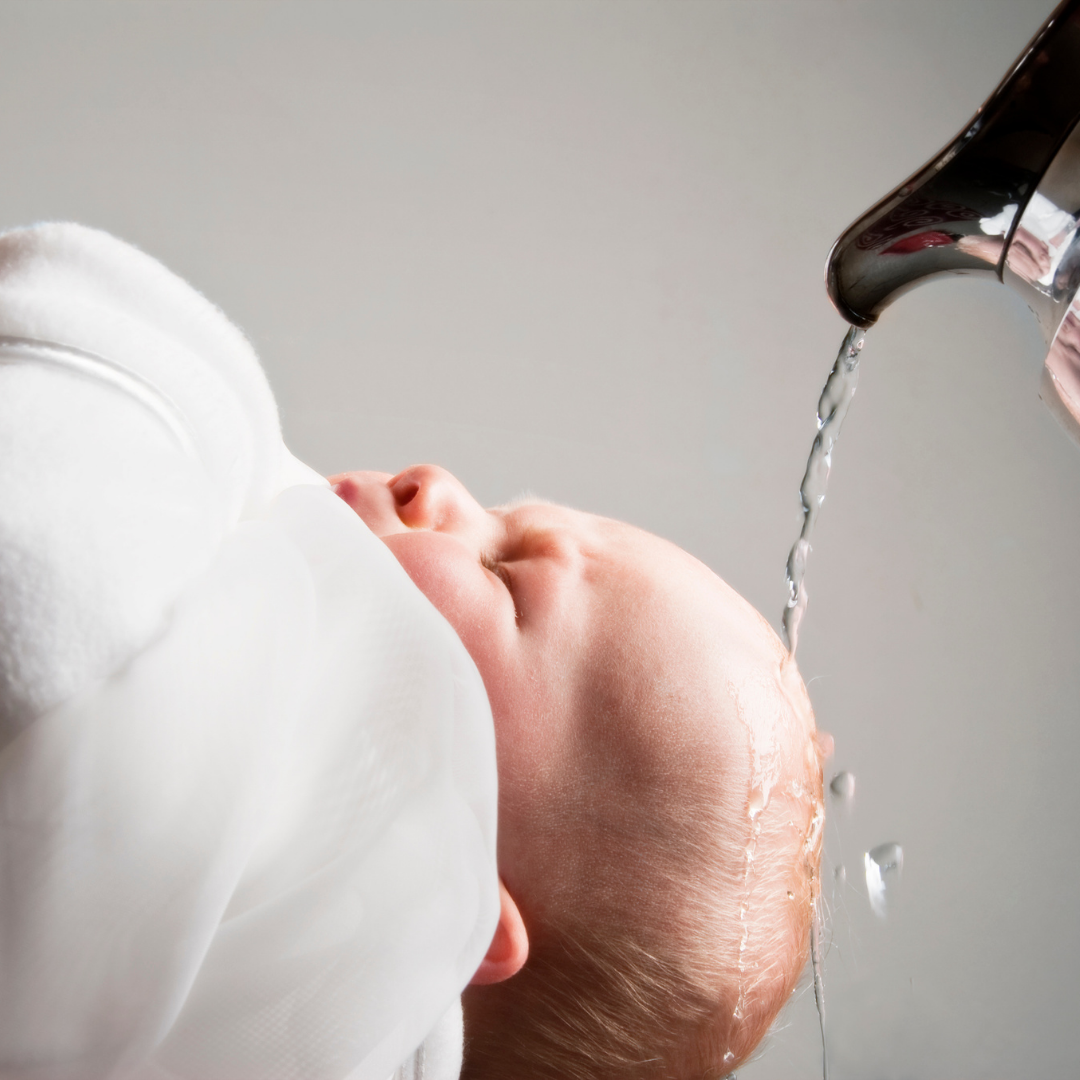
{"x":493,"y":566}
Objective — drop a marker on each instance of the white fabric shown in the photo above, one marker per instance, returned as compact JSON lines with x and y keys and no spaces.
{"x":247,"y":774}
{"x":438,"y":1057}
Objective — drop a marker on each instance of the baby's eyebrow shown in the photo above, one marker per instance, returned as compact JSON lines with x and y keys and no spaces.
{"x":525,"y":498}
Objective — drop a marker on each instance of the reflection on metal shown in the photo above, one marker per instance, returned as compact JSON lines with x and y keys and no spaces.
{"x":1042,"y":263}
{"x":967,"y":209}
{"x":1061,"y":373}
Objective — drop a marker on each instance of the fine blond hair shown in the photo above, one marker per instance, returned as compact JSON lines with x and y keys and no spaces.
{"x":680,"y":976}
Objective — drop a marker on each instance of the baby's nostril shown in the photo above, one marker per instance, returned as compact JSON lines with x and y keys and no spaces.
{"x":403,"y":490}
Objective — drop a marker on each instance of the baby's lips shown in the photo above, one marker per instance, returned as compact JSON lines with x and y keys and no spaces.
{"x":346,"y":485}
{"x":367,"y":494}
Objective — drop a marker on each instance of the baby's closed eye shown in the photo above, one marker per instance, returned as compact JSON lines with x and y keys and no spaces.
{"x":493,"y":566}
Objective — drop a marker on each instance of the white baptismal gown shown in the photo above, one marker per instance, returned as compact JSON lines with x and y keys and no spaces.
{"x":247,"y":771}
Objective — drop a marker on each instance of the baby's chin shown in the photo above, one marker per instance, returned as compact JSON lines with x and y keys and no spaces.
{"x":368,"y":495}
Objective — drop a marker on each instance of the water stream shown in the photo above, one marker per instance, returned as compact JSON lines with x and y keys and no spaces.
{"x":884,"y":863}
{"x":816,"y":962}
{"x":832,"y":407}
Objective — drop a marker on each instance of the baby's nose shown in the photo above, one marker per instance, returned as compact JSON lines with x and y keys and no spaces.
{"x":429,"y":497}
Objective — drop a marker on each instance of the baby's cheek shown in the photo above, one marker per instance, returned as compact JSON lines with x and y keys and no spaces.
{"x":463,"y":592}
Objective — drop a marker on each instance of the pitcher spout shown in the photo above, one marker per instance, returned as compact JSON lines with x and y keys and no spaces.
{"x":968,"y":210}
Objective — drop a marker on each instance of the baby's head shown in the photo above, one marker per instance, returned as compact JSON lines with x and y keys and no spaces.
{"x":660,"y":799}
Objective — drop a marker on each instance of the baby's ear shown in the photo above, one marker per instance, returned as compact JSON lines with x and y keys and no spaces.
{"x":509,"y":948}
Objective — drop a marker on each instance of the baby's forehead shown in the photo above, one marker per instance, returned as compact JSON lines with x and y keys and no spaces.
{"x":687,"y":650}
{"x":676,"y":595}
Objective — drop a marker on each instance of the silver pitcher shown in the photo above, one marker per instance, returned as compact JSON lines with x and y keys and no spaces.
{"x":1002,"y":198}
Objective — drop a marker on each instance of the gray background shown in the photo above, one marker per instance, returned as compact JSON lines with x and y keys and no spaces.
{"x":577,"y":248}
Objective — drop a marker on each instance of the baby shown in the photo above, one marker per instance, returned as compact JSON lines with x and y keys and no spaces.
{"x":660,"y":803}
{"x":248,"y":770}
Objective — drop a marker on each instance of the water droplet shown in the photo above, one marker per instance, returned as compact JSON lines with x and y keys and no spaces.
{"x":840,"y":874}
{"x":843,"y":786}
{"x":883,"y":867}
{"x":790,"y":895}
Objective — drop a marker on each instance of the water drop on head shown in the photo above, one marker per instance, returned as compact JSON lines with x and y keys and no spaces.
{"x":883,"y":868}
{"x":843,"y":786}
{"x":759,"y":799}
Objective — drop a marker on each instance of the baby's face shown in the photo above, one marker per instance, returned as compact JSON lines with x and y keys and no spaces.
{"x":607,"y":653}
